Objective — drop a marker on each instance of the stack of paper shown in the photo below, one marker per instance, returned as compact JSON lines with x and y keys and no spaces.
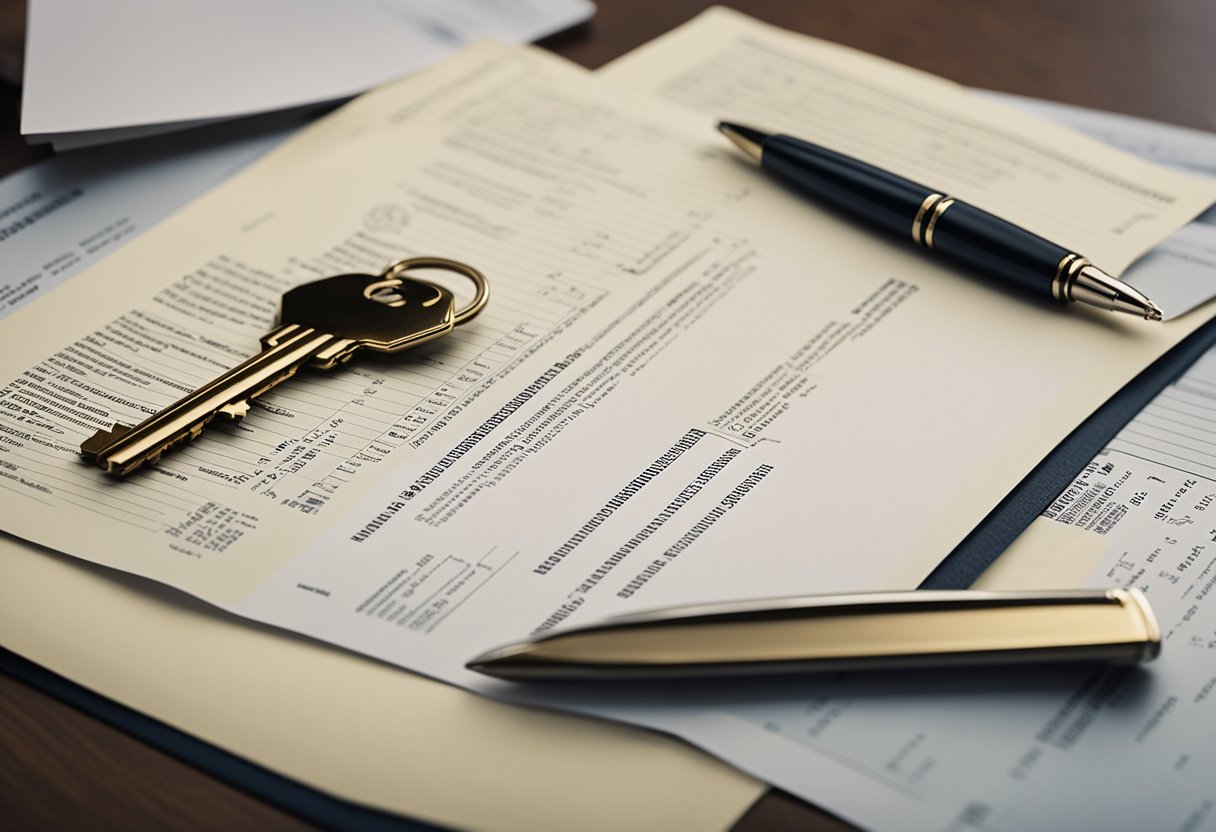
{"x":804,"y":454}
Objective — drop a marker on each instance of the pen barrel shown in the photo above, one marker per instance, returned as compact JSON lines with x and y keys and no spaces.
{"x":997,"y":249}
{"x":872,"y":194}
{"x":962,"y":233}
{"x":845,"y":632}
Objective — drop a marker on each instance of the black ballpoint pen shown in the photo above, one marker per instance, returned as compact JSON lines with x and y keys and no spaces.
{"x":940,"y":223}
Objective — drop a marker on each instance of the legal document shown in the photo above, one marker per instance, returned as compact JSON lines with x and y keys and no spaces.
{"x":592,"y":443}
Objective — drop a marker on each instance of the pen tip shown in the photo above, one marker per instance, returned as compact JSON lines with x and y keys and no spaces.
{"x":499,"y":661}
{"x":1094,"y":287}
{"x":747,"y":139}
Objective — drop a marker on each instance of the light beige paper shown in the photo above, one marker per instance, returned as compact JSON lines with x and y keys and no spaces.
{"x":356,"y":729}
{"x":889,"y":463}
{"x":726,"y":66}
{"x":362,"y":731}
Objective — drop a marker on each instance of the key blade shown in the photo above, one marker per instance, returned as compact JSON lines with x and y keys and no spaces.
{"x":228,"y":395}
{"x":96,"y":444}
{"x":111,"y":465}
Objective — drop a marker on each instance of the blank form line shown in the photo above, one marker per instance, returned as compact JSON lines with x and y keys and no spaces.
{"x":1166,"y":453}
{"x":1165,"y":442}
{"x":1132,"y":426}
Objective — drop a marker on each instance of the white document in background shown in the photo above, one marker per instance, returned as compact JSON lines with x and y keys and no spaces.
{"x":110,"y":70}
{"x":1168,"y":144}
{"x":62,"y":215}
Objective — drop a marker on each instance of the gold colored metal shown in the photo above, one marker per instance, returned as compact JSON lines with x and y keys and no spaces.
{"x":1094,"y":287}
{"x":1063,"y":277}
{"x":325,"y":323}
{"x":122,"y":449}
{"x":1079,"y":280}
{"x":751,"y":148}
{"x":831,"y":633}
{"x":480,"y":298}
{"x":1072,"y":269}
{"x":938,"y":210}
{"x":918,"y":230}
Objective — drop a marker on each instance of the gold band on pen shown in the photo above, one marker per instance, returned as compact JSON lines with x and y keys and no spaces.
{"x":928,"y":205}
{"x":938,"y":210}
{"x":1066,"y":274}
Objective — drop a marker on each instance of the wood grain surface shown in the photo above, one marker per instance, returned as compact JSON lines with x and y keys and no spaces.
{"x":61,"y":769}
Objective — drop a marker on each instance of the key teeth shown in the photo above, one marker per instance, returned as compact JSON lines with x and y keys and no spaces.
{"x":102,"y":439}
{"x":95,"y":446}
{"x":153,"y":456}
{"x":123,"y":449}
{"x":234,"y":410}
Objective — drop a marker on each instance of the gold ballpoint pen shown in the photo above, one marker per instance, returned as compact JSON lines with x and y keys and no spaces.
{"x":843,"y":632}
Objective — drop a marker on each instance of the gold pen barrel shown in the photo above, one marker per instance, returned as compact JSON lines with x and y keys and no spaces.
{"x":845,"y":632}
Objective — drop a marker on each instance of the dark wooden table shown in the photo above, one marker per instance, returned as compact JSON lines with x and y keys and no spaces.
{"x":61,"y":769}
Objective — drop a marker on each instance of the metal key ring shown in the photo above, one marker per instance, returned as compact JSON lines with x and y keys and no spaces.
{"x":479,"y":280}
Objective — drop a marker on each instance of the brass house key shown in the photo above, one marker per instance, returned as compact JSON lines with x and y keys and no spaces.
{"x":322,"y":324}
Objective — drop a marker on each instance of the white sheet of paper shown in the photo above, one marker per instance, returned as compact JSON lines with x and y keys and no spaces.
{"x":1069,"y":748}
{"x":1063,"y":749}
{"x":116,"y":69}
{"x":66,"y":213}
{"x":1167,"y":144}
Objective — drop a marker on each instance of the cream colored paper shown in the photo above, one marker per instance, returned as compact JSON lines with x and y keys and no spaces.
{"x":360,"y":730}
{"x":726,"y":66}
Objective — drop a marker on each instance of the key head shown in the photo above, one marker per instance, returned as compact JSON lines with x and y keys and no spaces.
{"x":377,"y":313}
